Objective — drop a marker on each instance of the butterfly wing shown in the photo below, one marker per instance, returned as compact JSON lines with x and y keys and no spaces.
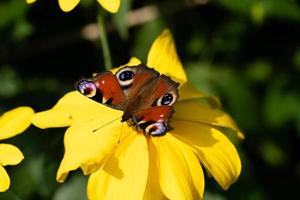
{"x":103,"y":88}
{"x":118,"y":90}
{"x":157,"y":106}
{"x":145,"y":96}
{"x":134,"y":79}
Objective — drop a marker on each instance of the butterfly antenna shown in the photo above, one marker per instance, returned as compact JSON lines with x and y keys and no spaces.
{"x":107,"y":124}
{"x":119,"y":140}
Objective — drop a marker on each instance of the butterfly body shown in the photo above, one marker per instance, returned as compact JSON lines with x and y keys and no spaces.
{"x":145,"y":96}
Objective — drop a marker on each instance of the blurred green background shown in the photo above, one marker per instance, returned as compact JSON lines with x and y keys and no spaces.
{"x":247,"y":52}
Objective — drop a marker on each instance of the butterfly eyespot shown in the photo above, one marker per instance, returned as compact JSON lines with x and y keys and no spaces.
{"x":87,"y":88}
{"x":156,"y":129}
{"x":167,"y":99}
{"x":125,"y":76}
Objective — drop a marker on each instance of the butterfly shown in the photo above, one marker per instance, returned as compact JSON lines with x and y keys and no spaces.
{"x":144,"y":95}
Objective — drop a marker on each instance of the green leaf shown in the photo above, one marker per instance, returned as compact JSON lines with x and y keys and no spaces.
{"x":271,"y":153}
{"x":259,"y":70}
{"x":9,"y":81}
{"x":11,"y":11}
{"x":21,"y":30}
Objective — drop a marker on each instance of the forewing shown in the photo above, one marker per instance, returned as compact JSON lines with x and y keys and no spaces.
{"x":103,"y":88}
{"x":142,"y":76}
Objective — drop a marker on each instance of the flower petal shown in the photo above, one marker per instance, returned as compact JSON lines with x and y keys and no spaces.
{"x":193,"y":110}
{"x":125,"y":174}
{"x":4,"y":180}
{"x":188,"y":91}
{"x":110,"y":5}
{"x":15,"y":121}
{"x":163,"y":58}
{"x":132,"y":62}
{"x":153,"y":190}
{"x":70,"y":108}
{"x":216,"y":152}
{"x":30,"y":1}
{"x":68,"y":5}
{"x":180,"y":173}
{"x":88,"y":142}
{"x":10,"y":155}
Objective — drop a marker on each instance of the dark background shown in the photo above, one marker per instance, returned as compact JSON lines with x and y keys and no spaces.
{"x":247,"y":52}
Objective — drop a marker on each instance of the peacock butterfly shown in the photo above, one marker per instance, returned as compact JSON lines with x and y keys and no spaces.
{"x":145,"y":96}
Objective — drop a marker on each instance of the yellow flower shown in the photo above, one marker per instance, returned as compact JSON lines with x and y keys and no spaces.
{"x":12,"y":123}
{"x":68,"y":5}
{"x":127,"y":165}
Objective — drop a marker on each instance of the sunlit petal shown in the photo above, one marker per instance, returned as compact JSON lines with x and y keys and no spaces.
{"x":30,"y":1}
{"x":132,"y":62}
{"x":124,"y":176}
{"x":180,"y":174}
{"x":163,"y":58}
{"x":87,"y":144}
{"x":4,"y":180}
{"x":216,"y":152}
{"x":15,"y":121}
{"x":68,"y":5}
{"x":110,"y":5}
{"x":153,"y":190}
{"x":70,"y":108}
{"x":193,"y":110}
{"x":10,"y":155}
{"x":188,"y":91}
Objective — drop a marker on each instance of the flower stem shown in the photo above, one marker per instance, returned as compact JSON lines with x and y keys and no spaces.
{"x":104,"y":42}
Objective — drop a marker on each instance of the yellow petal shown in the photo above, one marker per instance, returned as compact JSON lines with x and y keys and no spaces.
{"x":68,"y":5}
{"x":30,"y":1}
{"x":88,"y":142}
{"x":132,"y":62}
{"x":163,"y":58}
{"x":52,"y":118}
{"x":196,"y":111}
{"x":15,"y":122}
{"x":10,"y":155}
{"x":4,"y":180}
{"x":72,"y":107}
{"x":153,"y":190}
{"x":110,"y":5}
{"x":180,"y":173}
{"x":216,"y":152}
{"x":125,"y":174}
{"x":188,"y":91}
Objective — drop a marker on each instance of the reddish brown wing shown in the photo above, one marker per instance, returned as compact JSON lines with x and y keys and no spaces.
{"x":112,"y":94}
{"x":118,"y":90}
{"x":156,"y":92}
{"x":142,"y":76}
{"x":157,"y":106}
{"x":103,"y":88}
{"x":154,"y":114}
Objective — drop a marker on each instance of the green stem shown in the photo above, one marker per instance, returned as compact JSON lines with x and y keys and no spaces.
{"x":104,"y":42}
